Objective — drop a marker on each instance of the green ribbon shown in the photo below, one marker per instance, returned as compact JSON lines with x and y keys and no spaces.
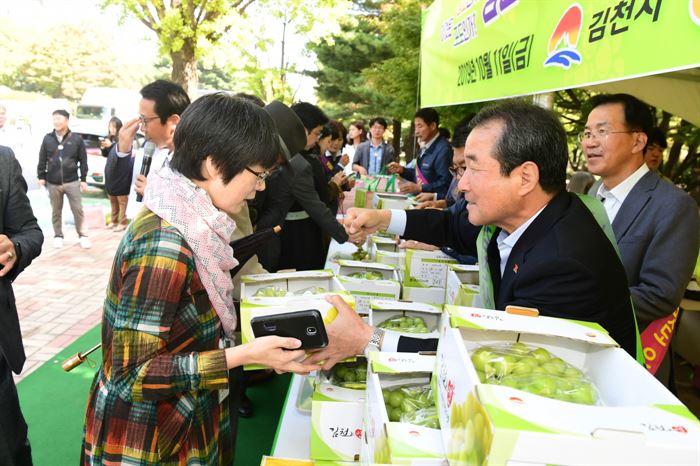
{"x":485,"y":282}
{"x":601,"y":216}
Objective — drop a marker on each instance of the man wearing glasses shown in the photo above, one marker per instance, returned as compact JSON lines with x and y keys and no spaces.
{"x":162,"y":103}
{"x":453,"y":195}
{"x":655,"y":223}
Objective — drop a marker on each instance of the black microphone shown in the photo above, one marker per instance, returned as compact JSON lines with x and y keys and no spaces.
{"x":148,"y":151}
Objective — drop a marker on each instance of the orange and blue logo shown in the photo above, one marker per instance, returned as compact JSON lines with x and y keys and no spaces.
{"x":694,"y":11}
{"x":562,"y":46}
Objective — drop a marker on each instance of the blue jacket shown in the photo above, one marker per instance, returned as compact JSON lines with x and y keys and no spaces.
{"x":435,"y":166}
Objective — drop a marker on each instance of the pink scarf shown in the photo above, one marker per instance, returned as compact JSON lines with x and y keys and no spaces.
{"x":206,"y":229}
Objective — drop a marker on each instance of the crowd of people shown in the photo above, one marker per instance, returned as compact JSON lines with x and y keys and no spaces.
{"x":226,"y":166}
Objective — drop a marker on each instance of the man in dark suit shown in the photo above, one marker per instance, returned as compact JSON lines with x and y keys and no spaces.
{"x":655,"y":223}
{"x":432,"y":171}
{"x":20,"y":243}
{"x":373,"y":155}
{"x":547,"y":250}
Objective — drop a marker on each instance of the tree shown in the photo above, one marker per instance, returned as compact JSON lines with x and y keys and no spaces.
{"x":185,"y":29}
{"x":64,"y":61}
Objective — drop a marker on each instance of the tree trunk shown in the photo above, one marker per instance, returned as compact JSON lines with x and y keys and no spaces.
{"x":185,"y":69}
{"x":396,"y":143}
{"x":410,"y":144}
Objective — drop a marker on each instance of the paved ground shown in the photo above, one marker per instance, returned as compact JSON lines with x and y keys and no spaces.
{"x":59,"y":296}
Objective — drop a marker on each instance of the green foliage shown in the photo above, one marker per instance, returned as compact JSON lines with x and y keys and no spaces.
{"x":62,"y":62}
{"x":342,"y":57}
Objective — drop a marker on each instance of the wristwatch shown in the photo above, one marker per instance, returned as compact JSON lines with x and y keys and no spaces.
{"x":375,"y":343}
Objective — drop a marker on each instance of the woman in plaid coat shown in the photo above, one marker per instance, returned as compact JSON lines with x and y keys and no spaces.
{"x":156,"y":398}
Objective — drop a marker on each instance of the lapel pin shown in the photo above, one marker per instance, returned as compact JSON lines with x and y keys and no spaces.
{"x":515,"y":268}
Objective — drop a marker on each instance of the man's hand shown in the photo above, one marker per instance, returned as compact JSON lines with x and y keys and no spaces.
{"x":413,"y":244}
{"x":360,"y":169}
{"x":127,"y":135}
{"x":8,"y":255}
{"x":140,"y":184}
{"x":394,"y":167}
{"x":441,"y":204}
{"x":409,"y":188}
{"x":83,"y":186}
{"x":361,"y":222}
{"x":41,"y":183}
{"x":348,"y":335}
{"x":423,"y":197}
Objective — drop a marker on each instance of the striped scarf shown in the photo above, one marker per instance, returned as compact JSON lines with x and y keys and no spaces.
{"x":206,"y":229}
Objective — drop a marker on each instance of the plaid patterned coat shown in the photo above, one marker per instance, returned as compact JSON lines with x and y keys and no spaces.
{"x":155,"y":400}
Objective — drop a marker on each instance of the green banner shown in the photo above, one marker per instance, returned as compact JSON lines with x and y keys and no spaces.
{"x":476,"y":50}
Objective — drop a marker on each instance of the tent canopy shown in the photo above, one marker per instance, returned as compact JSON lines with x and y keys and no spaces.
{"x":677,"y":92}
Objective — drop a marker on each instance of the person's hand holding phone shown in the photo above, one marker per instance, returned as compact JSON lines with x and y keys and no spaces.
{"x":278,"y":353}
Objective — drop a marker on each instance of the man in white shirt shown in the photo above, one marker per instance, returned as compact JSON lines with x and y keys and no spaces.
{"x":542,"y":247}
{"x":160,"y":108}
{"x":655,"y":223}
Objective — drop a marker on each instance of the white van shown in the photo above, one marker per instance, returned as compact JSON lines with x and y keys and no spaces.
{"x":91,"y":120}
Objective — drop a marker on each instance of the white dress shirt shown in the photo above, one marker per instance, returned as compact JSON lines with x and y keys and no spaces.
{"x":160,"y":157}
{"x":613,"y":198}
{"x":506,"y":242}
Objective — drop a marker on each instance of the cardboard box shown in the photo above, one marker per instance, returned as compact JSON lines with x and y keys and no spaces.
{"x":381,"y":243}
{"x":293,"y":282}
{"x":392,"y":201}
{"x":397,"y":259}
{"x":639,"y":421}
{"x":462,"y":285}
{"x":336,"y":420}
{"x":364,"y":289}
{"x":425,"y":276}
{"x":383,"y":309}
{"x":397,"y":442}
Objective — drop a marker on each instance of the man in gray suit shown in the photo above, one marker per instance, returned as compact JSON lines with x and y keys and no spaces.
{"x":373,"y":155}
{"x":20,"y":243}
{"x":655,"y":223}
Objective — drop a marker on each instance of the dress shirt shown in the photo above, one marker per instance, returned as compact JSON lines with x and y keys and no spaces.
{"x":613,"y":198}
{"x":375,"y":159}
{"x":506,"y":241}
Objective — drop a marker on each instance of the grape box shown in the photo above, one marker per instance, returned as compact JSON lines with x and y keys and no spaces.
{"x":633,"y":418}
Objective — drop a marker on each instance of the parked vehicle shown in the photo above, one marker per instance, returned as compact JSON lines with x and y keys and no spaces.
{"x":99,"y":104}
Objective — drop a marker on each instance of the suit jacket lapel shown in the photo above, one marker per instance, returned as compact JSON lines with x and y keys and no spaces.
{"x":634,"y":203}
{"x":535,"y":232}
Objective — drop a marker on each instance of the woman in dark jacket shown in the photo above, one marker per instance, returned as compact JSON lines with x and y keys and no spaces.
{"x":118,"y":171}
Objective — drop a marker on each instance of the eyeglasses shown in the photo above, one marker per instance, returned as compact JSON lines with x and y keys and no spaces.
{"x":600,"y":134}
{"x":262,"y":176}
{"x":457,"y":170}
{"x":144,"y":120}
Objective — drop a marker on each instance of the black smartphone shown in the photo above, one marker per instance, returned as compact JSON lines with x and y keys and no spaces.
{"x":306,"y":325}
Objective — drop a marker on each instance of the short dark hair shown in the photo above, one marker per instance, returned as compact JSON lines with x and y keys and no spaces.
{"x":337,"y":129}
{"x":379,"y":120}
{"x":170,"y":98}
{"x":253,"y":98}
{"x":461,"y":131}
{"x":428,"y":115}
{"x":61,"y":112}
{"x":310,"y":115}
{"x":235,"y":132}
{"x":637,"y":114}
{"x":530,"y":134}
{"x":656,"y":136}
